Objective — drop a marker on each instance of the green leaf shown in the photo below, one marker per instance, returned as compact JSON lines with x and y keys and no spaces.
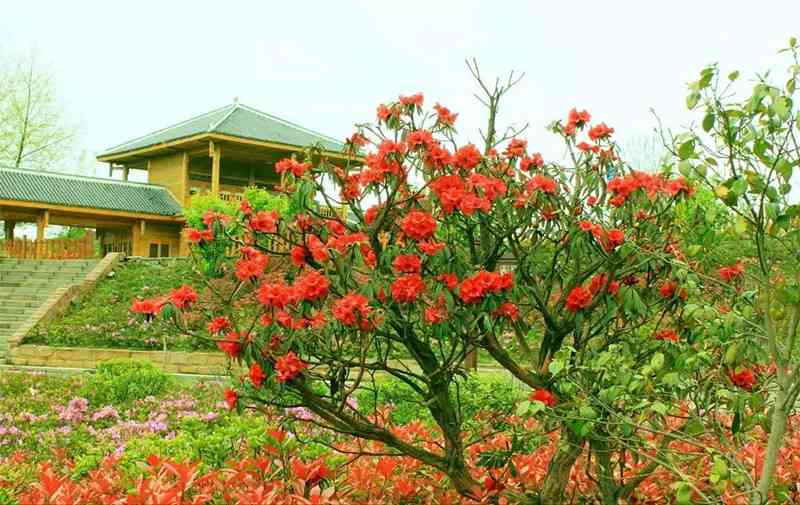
{"x":733,"y":75}
{"x":686,"y":149}
{"x":784,"y":168}
{"x":657,"y":361}
{"x":555,"y":366}
{"x":523,"y":407}
{"x":692,"y":100}
{"x":708,"y":122}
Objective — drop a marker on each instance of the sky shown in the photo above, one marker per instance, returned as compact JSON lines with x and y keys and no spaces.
{"x":126,"y":68}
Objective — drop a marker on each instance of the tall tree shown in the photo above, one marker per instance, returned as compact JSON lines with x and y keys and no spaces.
{"x":33,"y":130}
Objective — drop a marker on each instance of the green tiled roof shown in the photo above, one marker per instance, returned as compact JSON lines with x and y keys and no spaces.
{"x":236,"y":120}
{"x":77,"y":191}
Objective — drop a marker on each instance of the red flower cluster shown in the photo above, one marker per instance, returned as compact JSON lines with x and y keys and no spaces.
{"x":578,"y":299}
{"x":149,"y":308}
{"x":407,"y":264}
{"x":293,"y":166}
{"x":418,"y":225}
{"x":183,"y":297}
{"x":256,"y":374}
{"x":467,"y":157}
{"x":544,"y":396}
{"x":516,"y":148}
{"x":473,"y":289}
{"x":744,"y":378}
{"x":265,"y":222}
{"x":444,"y":116}
{"x":277,"y":295}
{"x":600,"y":131}
{"x":731,"y":272}
{"x":195,"y":236}
{"x":667,"y":334}
{"x":231,"y":398}
{"x":542,"y":183}
{"x":352,"y":310}
{"x":251,"y":267}
{"x":535,"y":160}
{"x":576,"y":120}
{"x":231,"y":345}
{"x":289,"y":366}
{"x":219,"y":324}
{"x":652,"y":185}
{"x":406,"y":289}
{"x":597,"y":283}
{"x":313,"y":286}
{"x":507,"y":310}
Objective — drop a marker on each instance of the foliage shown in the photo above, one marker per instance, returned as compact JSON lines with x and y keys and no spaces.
{"x":100,"y":318}
{"x":260,"y":199}
{"x":122,"y":381}
{"x":747,"y":153}
{"x":33,"y":130}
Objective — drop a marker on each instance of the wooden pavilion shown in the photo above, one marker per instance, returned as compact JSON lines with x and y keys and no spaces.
{"x":221,"y":152}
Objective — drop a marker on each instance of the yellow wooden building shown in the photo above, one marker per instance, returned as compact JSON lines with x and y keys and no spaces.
{"x":220,"y":152}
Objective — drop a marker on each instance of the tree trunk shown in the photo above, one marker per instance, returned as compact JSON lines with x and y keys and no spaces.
{"x":774,"y":444}
{"x":569,"y":448}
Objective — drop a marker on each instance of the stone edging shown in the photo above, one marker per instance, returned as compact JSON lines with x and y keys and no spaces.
{"x":60,"y":299}
{"x":206,"y":363}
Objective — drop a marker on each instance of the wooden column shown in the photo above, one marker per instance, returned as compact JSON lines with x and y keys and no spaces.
{"x":9,"y":229}
{"x":41,"y":226}
{"x":252,"y":179}
{"x":215,"y":151}
{"x":184,"y":198}
{"x":125,"y":173}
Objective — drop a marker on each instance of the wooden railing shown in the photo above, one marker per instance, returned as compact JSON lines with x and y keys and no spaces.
{"x":56,"y":248}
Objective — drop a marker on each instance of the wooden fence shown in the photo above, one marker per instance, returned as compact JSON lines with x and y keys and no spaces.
{"x":55,"y":248}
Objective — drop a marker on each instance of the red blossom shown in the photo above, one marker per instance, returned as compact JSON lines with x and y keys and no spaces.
{"x":183,"y":297}
{"x":542,"y":183}
{"x":298,"y":255}
{"x":507,"y":310}
{"x":600,"y":132}
{"x":430,"y":248}
{"x":289,"y":367}
{"x":265,"y":222}
{"x":578,"y":299}
{"x":149,"y":308}
{"x":231,"y":345}
{"x":256,"y":374}
{"x":418,"y":225}
{"x":415,"y":100}
{"x":467,"y":157}
{"x":516,"y":148}
{"x":731,"y":272}
{"x":544,"y":396}
{"x":436,"y":314}
{"x":312,"y":287}
{"x":231,"y":398}
{"x":406,"y":289}
{"x":444,"y":116}
{"x":474,"y":289}
{"x":293,"y":166}
{"x":744,"y":378}
{"x":351,"y":309}
{"x":667,"y":334}
{"x":407,"y":264}
{"x":219,"y":324}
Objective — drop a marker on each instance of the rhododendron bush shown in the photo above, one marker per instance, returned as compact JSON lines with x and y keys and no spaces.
{"x":410,"y":280}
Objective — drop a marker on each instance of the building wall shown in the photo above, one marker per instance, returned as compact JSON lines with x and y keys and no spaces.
{"x":155,"y":240}
{"x":171,"y":172}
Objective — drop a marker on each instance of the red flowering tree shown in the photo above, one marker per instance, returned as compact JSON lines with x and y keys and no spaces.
{"x":409,"y":282}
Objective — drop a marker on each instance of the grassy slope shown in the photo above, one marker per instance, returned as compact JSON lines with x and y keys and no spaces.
{"x":102,"y":317}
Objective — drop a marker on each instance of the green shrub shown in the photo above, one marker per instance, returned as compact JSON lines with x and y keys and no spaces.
{"x":496,"y":392}
{"x":122,"y":381}
{"x":260,"y":199}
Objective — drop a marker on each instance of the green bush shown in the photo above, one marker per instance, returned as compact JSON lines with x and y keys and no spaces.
{"x":496,"y":392}
{"x":260,"y":199}
{"x":122,"y":381}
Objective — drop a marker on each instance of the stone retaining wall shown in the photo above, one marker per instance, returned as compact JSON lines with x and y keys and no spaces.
{"x":207,"y":363}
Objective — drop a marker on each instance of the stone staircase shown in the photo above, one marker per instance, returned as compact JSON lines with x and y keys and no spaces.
{"x":26,"y":284}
